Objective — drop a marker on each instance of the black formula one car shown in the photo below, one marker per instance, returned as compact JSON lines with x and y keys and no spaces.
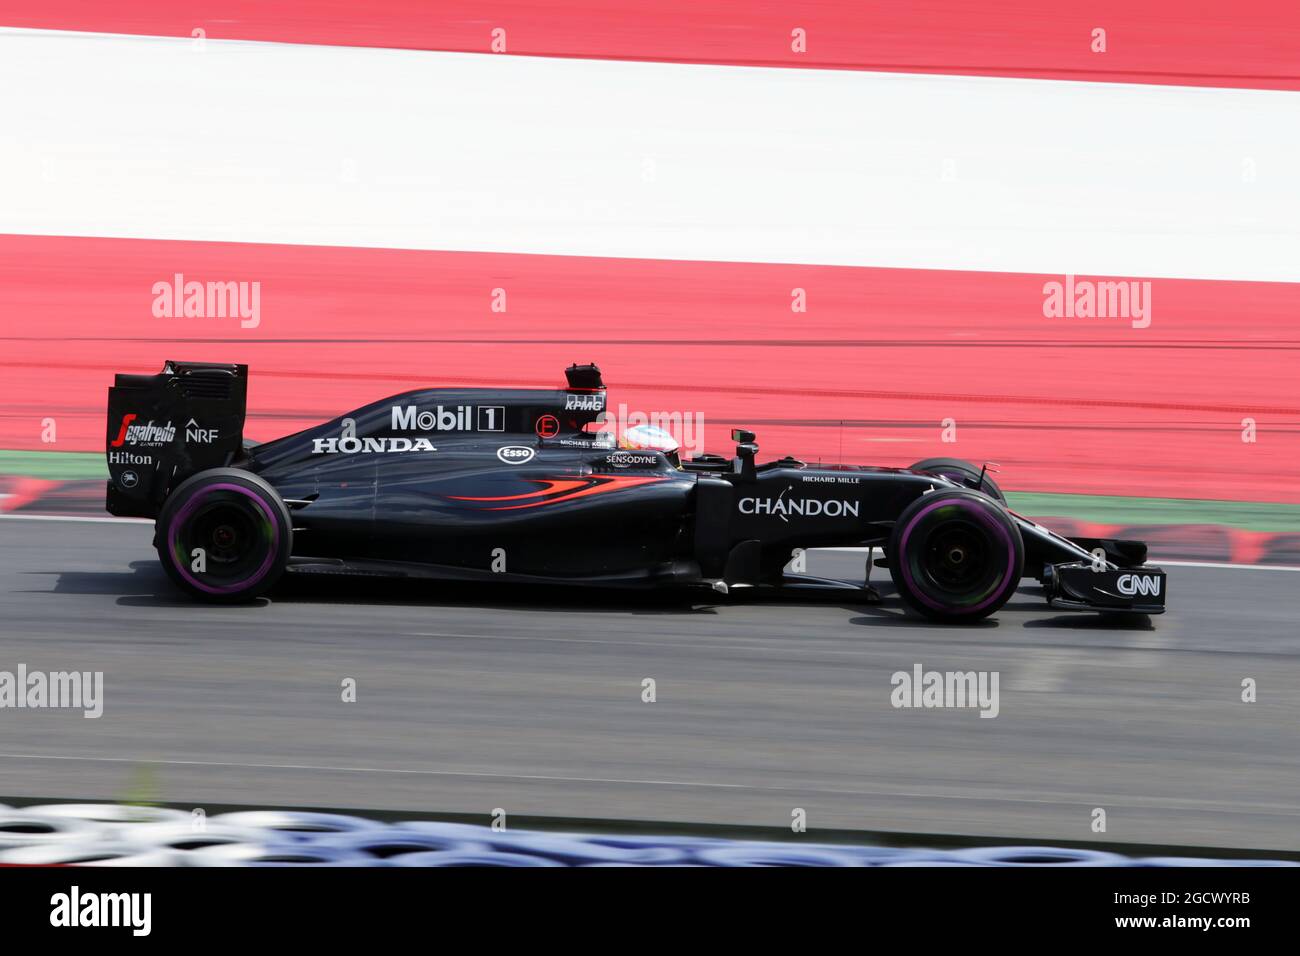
{"x":513,"y":485}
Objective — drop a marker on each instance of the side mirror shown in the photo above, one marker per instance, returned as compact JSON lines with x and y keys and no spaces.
{"x":743,"y":464}
{"x":741,"y":436}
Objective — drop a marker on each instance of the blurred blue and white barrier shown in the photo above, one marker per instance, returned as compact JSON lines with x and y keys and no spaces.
{"x":96,"y":834}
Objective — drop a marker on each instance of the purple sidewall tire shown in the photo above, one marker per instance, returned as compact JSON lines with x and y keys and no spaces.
{"x":1004,"y":554}
{"x":261,"y":505}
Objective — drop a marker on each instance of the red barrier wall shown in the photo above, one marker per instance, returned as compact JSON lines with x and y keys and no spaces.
{"x":1243,"y":43}
{"x":867,"y":374}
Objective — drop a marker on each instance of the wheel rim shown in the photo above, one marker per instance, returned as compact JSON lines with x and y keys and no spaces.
{"x":955,"y":557}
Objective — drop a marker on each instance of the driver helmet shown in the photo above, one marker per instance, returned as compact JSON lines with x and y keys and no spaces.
{"x":648,"y":438}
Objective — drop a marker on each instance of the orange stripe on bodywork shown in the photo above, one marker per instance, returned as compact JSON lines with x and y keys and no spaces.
{"x":555,"y":485}
{"x":566,"y":490}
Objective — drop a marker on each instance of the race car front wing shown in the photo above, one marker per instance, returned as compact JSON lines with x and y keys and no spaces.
{"x":1083,"y":586}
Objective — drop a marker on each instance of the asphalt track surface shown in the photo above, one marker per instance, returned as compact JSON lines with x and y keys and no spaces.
{"x":530,"y":701}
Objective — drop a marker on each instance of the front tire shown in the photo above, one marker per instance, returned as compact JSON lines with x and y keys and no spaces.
{"x":956,"y":556}
{"x":224,"y":536}
{"x":962,"y":472}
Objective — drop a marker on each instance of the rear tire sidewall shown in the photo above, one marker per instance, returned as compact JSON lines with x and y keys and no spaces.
{"x":255,"y":505}
{"x":963,"y":471}
{"x":985,"y":525}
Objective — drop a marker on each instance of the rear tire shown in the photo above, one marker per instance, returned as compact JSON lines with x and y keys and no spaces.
{"x":224,"y":536}
{"x":962,"y":472}
{"x":956,"y":556}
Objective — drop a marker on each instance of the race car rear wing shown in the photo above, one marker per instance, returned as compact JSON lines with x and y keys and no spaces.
{"x":163,"y":428}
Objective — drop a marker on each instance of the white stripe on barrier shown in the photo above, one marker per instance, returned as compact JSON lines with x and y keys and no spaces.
{"x":172,"y":138}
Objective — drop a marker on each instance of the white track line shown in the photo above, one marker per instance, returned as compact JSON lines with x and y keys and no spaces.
{"x":1238,"y":567}
{"x":224,"y":140}
{"x":87,"y":519}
